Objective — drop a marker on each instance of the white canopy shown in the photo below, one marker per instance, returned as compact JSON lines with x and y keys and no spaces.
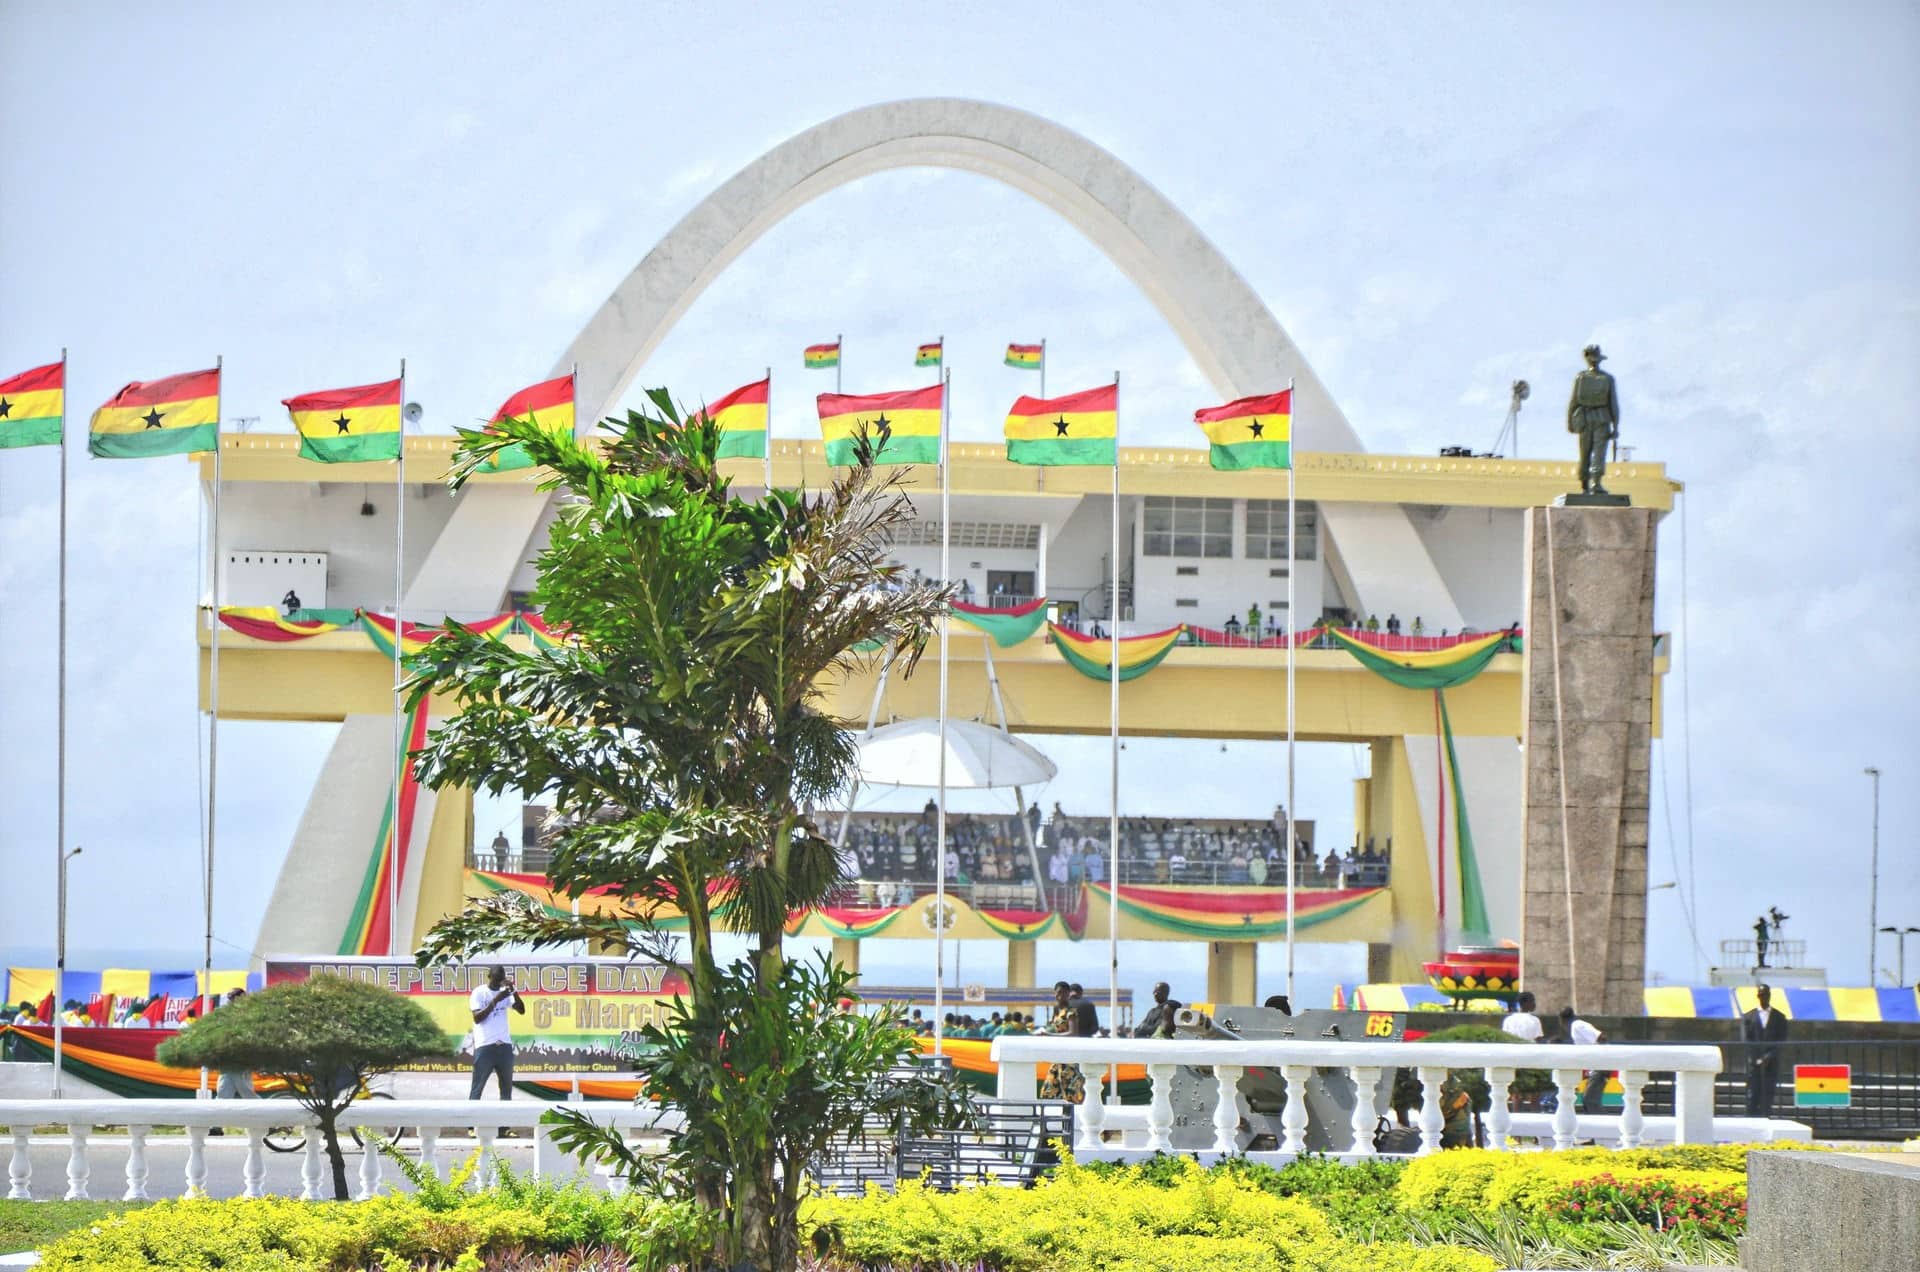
{"x":979,"y":757}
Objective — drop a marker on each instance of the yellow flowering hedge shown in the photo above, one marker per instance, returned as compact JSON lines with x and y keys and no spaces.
{"x":1084,"y":1221}
{"x":1483,"y":1182}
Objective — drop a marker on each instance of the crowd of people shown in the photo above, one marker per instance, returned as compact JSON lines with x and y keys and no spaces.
{"x":109,"y":1011}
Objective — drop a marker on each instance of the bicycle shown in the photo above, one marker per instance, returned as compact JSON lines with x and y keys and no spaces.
{"x":293,"y":1139}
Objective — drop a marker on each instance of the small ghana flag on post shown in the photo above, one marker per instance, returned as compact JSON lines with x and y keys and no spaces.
{"x":1075,"y":429}
{"x":1027,"y":356}
{"x":348,"y":426}
{"x":819,"y":357}
{"x":179,"y":415}
{"x":1823,"y":1086}
{"x":928,"y":355}
{"x":33,"y":406}
{"x":903,"y":428}
{"x":1254,"y":432}
{"x":741,"y":417}
{"x":548,"y":403}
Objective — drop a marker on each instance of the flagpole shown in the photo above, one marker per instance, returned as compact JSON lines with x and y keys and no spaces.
{"x":399,"y":640}
{"x":60,"y":746}
{"x":839,"y":356}
{"x":1291,"y":531}
{"x":766,"y":442}
{"x":1043,"y":378}
{"x":940,"y":806}
{"x":213,"y":714}
{"x":1113,"y":792}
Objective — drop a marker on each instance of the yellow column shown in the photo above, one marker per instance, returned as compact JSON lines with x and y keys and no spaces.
{"x":1362,"y":810}
{"x":1396,"y":813}
{"x":846,"y":952}
{"x":1232,"y":971}
{"x":1022,"y":962}
{"x":443,"y":867}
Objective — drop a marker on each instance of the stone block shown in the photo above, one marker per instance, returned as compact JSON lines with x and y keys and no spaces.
{"x":1831,"y":1210}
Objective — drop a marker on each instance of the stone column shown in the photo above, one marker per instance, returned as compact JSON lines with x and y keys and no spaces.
{"x":1589,"y":678}
{"x":846,"y":952}
{"x":1022,"y":961}
{"x":1233,"y":969}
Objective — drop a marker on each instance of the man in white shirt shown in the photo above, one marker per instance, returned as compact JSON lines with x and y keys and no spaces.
{"x":492,"y":1033}
{"x":1523,"y":1024}
{"x":1583,"y":1033}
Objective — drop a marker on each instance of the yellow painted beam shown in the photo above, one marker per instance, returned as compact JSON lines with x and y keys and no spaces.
{"x":443,"y":869}
{"x":1416,"y":930}
{"x":982,"y":469}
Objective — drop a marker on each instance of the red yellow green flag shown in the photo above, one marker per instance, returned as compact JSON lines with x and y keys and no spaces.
{"x":928,"y":355}
{"x":741,"y":417}
{"x":348,"y":426}
{"x":1092,"y":656}
{"x":822,"y":355}
{"x":175,"y":416}
{"x":1254,"y":432}
{"x":1027,"y":356}
{"x":33,"y":406}
{"x":548,"y":403}
{"x":903,"y":428}
{"x":1075,"y":429}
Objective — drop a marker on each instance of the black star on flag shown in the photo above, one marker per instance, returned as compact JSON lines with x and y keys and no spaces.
{"x":1256,"y":428}
{"x":153,"y":416}
{"x":342,"y":422}
{"x":1060,"y":427}
{"x":6,"y":408}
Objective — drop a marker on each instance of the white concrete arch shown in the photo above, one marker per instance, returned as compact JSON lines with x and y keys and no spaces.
{"x":1230,"y":333}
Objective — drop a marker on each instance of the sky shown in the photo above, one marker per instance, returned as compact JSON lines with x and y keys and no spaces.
{"x":1725,"y":196}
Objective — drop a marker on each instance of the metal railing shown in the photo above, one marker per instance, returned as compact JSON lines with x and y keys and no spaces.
{"x":1693,"y":1069}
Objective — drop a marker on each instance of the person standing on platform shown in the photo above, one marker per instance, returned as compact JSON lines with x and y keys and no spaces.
{"x":1063,"y":1081}
{"x":1763,"y":1029}
{"x":493,"y":1033}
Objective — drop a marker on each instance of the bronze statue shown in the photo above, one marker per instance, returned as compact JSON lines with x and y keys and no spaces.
{"x":1593,"y":413}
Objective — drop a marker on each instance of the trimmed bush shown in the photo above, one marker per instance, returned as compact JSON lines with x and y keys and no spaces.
{"x":1482,"y":1182}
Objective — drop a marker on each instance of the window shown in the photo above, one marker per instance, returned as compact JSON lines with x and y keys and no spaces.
{"x":1267,"y":530}
{"x":1186,"y":569}
{"x":1185,"y":527}
{"x":1186,"y":602}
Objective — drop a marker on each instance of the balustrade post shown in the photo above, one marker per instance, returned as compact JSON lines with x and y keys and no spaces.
{"x":1019,"y":1080}
{"x":310,"y":1171}
{"x":1293,"y":1118}
{"x":483,"y":1169}
{"x":1365,"y":1079}
{"x":1433,"y":1122}
{"x":1226,"y":1108}
{"x":1093,"y":1109}
{"x":1160,"y":1112}
{"x":1693,"y":1108}
{"x":369,"y":1163}
{"x":78,"y":1168}
{"x":1499,"y":1116}
{"x":136,"y":1164}
{"x":1566,"y":1117}
{"x":430,"y":1150}
{"x":1632,"y":1117}
{"x":196,"y":1161}
{"x":254,"y":1173}
{"x":20,"y":1165}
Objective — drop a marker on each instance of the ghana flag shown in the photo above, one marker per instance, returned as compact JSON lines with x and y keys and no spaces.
{"x":33,"y":405}
{"x":1254,"y":432}
{"x":741,"y":417}
{"x":175,"y":416}
{"x":822,"y":355}
{"x":1823,"y":1086}
{"x":904,"y":428}
{"x":928,"y":355}
{"x":549,"y":403}
{"x":1028,"y":356}
{"x":1075,"y":429}
{"x":1092,"y":655}
{"x":348,"y":426}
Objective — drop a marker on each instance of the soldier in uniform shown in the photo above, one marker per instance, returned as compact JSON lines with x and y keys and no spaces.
{"x":1593,"y":413}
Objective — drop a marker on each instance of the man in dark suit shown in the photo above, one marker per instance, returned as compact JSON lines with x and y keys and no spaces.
{"x":1763,"y":1029}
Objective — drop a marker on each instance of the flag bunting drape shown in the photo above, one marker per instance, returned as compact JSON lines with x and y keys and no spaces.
{"x":368,"y":925}
{"x":1006,"y":626}
{"x":1089,"y":655}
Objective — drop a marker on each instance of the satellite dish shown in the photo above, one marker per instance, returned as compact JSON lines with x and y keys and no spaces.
{"x":413,"y":413}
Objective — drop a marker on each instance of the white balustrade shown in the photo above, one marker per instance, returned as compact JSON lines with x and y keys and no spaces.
{"x":80,"y":1120}
{"x":1693,"y":1067}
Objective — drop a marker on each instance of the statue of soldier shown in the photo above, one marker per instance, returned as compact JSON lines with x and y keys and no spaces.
{"x":1593,"y":413}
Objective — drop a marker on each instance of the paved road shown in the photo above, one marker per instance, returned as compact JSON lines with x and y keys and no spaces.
{"x":226,"y":1156}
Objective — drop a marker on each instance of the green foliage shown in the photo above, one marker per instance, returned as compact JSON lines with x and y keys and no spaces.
{"x":1483,"y":1183}
{"x":28,"y":1225}
{"x":1718,"y":1211}
{"x":1470,"y":1082}
{"x":1358,"y":1200}
{"x":324,"y":1037}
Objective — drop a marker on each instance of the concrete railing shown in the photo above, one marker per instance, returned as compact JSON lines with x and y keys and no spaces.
{"x":1296,"y":1060}
{"x":425,"y":1122}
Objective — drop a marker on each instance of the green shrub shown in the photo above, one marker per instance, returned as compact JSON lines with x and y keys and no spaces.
{"x":1655,"y":1203}
{"x":1483,"y":1183}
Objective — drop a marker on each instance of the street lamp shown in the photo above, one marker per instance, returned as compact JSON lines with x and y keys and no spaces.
{"x":1902,"y":934}
{"x":60,"y":968}
{"x":1873,"y":892}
